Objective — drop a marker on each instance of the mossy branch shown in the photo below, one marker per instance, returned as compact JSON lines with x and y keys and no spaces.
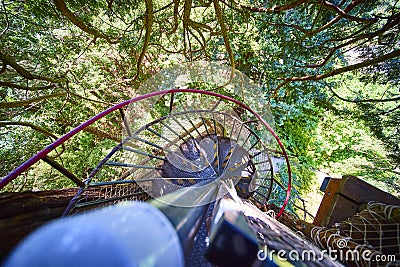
{"x":27,"y":88}
{"x":62,"y":7}
{"x":28,"y":124}
{"x":148,"y":25}
{"x":365,"y":63}
{"x":22,"y":103}
{"x":7,"y":60}
{"x":224,"y":32}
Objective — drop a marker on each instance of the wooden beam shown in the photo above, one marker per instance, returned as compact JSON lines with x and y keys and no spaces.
{"x":64,"y":171}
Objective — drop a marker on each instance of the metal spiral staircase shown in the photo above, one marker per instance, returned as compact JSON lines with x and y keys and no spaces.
{"x":179,"y":136}
{"x":185,"y":147}
{"x":197,"y":124}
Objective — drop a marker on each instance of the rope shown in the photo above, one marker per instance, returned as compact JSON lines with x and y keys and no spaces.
{"x":376,"y":229}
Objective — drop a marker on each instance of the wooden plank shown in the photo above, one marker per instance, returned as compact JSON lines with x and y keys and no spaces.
{"x":21,"y":213}
{"x":362,"y":192}
{"x":324,"y":209}
{"x":14,"y":204}
{"x":341,"y":209}
{"x":343,"y":197}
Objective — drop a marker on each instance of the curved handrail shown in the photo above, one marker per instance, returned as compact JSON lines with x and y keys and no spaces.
{"x":44,"y":152}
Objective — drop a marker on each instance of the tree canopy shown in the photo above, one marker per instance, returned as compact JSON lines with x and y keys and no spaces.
{"x":325,"y":66}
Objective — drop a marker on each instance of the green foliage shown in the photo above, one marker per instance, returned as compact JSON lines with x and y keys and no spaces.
{"x":324,"y":124}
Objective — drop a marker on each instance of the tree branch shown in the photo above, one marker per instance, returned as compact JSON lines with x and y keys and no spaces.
{"x":28,"y":124}
{"x":343,"y":13}
{"x":273,"y":9}
{"x":176,"y":11}
{"x":18,"y":86}
{"x":148,"y":24}
{"x":102,"y":134}
{"x":34,"y":127}
{"x":6,"y":17}
{"x":3,"y":68}
{"x":365,"y":63}
{"x":187,"y":7}
{"x":94,"y":131}
{"x":62,"y":7}
{"x":338,"y":17}
{"x":91,"y":100}
{"x":22,"y":103}
{"x":395,"y":20}
{"x":364,"y":100}
{"x":24,"y":72}
{"x":388,"y":111}
{"x":224,"y":32}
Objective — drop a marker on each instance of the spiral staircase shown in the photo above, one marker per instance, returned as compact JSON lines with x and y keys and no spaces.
{"x":198,"y":123}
